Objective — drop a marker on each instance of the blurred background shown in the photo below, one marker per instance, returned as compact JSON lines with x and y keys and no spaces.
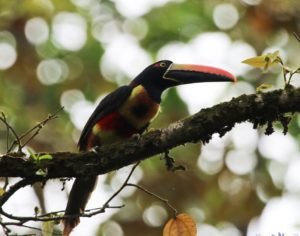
{"x":72,"y":53}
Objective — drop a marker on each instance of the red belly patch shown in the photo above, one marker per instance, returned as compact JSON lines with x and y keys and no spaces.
{"x":116,"y":123}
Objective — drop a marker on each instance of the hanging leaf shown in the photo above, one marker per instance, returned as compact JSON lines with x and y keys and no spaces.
{"x":264,"y":61}
{"x":181,"y":225}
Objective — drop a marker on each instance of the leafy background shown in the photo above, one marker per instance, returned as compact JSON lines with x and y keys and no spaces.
{"x":72,"y":53}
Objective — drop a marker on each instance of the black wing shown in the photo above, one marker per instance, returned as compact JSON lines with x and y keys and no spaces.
{"x":109,"y":104}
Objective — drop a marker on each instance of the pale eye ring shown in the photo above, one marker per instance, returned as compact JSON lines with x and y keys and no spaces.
{"x":162,"y":64}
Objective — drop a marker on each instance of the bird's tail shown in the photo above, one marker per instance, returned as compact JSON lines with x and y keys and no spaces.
{"x":79,"y":196}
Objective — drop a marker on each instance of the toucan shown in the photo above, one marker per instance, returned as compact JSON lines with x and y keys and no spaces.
{"x":127,"y":111}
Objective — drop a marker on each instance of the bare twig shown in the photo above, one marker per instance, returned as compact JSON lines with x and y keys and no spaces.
{"x":54,"y":215}
{"x":34,"y":131}
{"x":296,"y":36}
{"x":106,"y":204}
{"x":37,"y":128}
{"x":165,"y":201}
{"x":12,"y":130}
{"x":22,"y":183}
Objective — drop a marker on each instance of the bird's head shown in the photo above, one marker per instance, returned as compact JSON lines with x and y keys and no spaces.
{"x":165,"y":74}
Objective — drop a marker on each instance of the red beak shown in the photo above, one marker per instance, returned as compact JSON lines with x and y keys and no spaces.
{"x":186,"y":74}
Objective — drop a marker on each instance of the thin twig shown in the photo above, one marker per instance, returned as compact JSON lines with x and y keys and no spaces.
{"x":54,"y":215}
{"x":106,"y":204}
{"x":37,"y":128}
{"x":22,"y":183}
{"x":12,"y":130}
{"x":166,"y":201}
{"x":296,"y":36}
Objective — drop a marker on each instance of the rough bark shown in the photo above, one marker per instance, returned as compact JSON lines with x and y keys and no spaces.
{"x":260,"y":109}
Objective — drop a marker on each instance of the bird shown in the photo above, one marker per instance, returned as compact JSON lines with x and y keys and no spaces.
{"x":128,"y":111}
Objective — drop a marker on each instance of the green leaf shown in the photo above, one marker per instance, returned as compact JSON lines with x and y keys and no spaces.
{"x":32,"y":154}
{"x":45,"y":157}
{"x":264,"y":61}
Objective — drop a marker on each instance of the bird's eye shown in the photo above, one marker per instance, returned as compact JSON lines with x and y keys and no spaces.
{"x":162,"y":64}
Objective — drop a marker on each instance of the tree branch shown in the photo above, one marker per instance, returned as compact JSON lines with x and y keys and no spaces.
{"x":260,"y":109}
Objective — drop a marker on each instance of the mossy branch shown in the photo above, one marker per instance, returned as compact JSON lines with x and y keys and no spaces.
{"x":260,"y":109}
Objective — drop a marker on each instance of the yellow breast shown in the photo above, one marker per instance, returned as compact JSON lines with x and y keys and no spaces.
{"x":139,"y":109}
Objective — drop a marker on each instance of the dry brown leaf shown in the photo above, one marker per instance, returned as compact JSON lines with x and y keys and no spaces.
{"x":182,"y":225}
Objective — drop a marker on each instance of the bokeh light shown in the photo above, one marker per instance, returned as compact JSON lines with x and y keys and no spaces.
{"x":112,"y":228}
{"x":133,"y":9}
{"x":206,"y":229}
{"x":52,"y":71}
{"x":278,"y":146}
{"x":250,"y":143}
{"x":8,"y":55}
{"x":37,"y":30}
{"x":241,"y":162}
{"x":225,"y":16}
{"x":71,"y":97}
{"x":133,"y":59}
{"x":8,"y":52}
{"x":252,"y":2}
{"x":281,"y":214}
{"x":120,"y":176}
{"x":210,"y":160}
{"x":291,"y":180}
{"x":231,"y":184}
{"x":228,"y":229}
{"x":155,"y":215}
{"x":69,"y":31}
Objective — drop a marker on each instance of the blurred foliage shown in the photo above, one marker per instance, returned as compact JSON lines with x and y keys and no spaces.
{"x":26,"y":99}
